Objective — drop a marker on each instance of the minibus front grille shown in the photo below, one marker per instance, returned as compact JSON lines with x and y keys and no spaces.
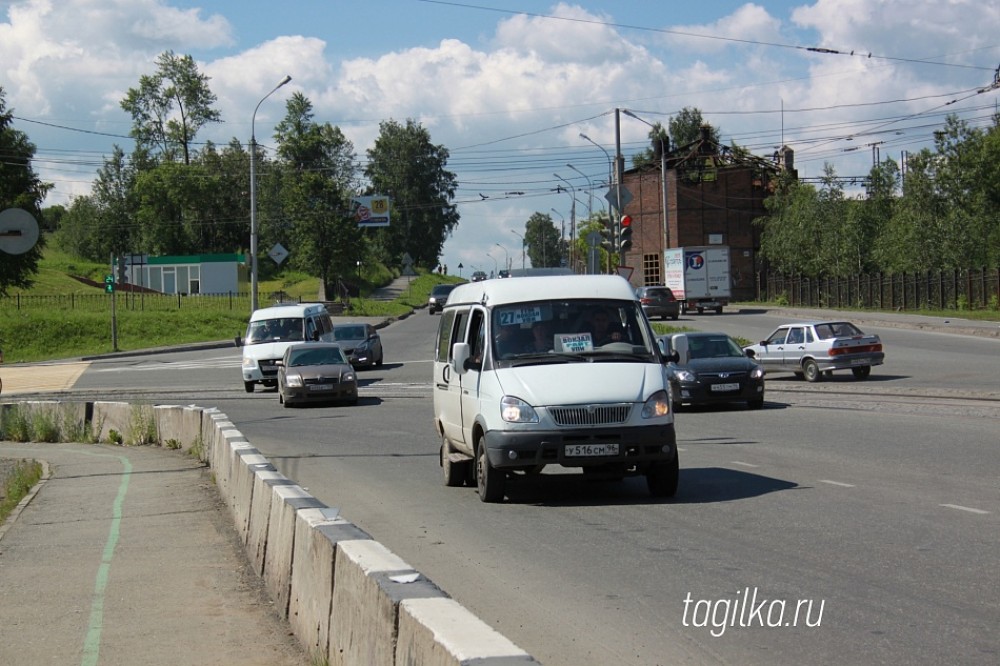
{"x":591,"y":415}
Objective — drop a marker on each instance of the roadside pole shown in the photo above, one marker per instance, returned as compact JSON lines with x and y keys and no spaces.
{"x":109,"y":287}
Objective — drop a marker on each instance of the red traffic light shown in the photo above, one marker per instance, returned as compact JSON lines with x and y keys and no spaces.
{"x":626,"y":221}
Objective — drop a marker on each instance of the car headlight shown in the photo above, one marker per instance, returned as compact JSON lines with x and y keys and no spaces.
{"x":515,"y":410}
{"x":757,"y":372}
{"x":656,"y":406}
{"x":294,"y":381}
{"x":348,"y":377}
{"x":686,"y":376}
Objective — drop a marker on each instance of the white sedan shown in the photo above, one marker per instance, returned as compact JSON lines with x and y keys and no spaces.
{"x":810,"y":349}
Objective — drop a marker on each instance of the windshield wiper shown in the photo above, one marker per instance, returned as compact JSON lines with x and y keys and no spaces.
{"x":547,"y":357}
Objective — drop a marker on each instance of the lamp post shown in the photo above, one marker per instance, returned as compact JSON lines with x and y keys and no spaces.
{"x":253,"y":198}
{"x":506,"y":257}
{"x":523,"y":243}
{"x":663,"y":178}
{"x":606,"y":153}
{"x":496,"y":267}
{"x":590,"y":189}
{"x":572,"y":223}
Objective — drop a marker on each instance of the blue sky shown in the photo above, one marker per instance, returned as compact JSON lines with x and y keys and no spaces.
{"x":509,"y":87}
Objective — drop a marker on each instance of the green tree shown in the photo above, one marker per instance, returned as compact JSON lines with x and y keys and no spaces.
{"x":543,"y":241}
{"x":169,"y":107}
{"x":659,"y":140}
{"x":317,"y":175}
{"x":686,"y":126}
{"x":596,"y":222}
{"x":406,"y":166}
{"x":914,"y":235}
{"x":20,"y":188}
{"x":224,"y":203}
{"x":788,"y":235}
{"x":105,"y":222}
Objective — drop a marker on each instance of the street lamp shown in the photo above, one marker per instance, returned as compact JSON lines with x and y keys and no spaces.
{"x":253,"y":198}
{"x":663,"y":179}
{"x":506,"y":257}
{"x":590,"y":189}
{"x":496,"y":267}
{"x":523,"y":243}
{"x":572,"y":222}
{"x":606,"y":153}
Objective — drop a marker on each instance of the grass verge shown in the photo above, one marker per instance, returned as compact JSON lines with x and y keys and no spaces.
{"x":17,"y":477}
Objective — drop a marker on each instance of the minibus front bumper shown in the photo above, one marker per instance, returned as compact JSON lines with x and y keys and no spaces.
{"x":582,"y":447}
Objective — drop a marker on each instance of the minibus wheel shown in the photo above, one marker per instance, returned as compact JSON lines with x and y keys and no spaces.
{"x":489,"y":480}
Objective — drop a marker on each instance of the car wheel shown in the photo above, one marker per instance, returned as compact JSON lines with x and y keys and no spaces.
{"x":381,"y":358}
{"x":862,"y":372}
{"x":674,"y":317}
{"x":701,"y":310}
{"x":718,"y":310}
{"x":756,"y":403}
{"x":248,"y":387}
{"x":455,"y":473}
{"x":811,"y":371}
{"x":662,"y":478}
{"x":489,"y":480}
{"x":281,"y":398}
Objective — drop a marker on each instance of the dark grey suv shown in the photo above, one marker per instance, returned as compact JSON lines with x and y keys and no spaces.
{"x":658,"y":302}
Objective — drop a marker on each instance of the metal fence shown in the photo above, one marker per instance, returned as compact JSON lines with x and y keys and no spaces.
{"x":139,"y":301}
{"x":958,"y":289}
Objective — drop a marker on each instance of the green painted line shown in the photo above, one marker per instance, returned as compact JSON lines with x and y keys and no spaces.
{"x":92,"y":644}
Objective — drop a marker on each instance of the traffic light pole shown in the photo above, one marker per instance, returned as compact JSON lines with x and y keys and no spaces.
{"x":619,"y":174}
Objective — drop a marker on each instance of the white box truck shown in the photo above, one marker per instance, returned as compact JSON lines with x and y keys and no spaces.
{"x":699,"y":277}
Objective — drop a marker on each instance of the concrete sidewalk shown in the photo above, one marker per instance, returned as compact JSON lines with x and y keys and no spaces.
{"x":127,"y":555}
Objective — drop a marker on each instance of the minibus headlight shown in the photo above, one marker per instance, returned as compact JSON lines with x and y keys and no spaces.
{"x":515,"y":410}
{"x":656,"y":406}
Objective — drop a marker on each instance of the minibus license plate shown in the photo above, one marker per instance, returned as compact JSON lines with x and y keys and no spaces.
{"x":587,"y":450}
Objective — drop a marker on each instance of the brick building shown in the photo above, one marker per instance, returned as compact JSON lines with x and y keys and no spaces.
{"x":713,"y":197}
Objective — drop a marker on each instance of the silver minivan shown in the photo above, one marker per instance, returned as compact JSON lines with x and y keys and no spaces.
{"x":557,"y":370}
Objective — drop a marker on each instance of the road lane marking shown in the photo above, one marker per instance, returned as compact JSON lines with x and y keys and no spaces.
{"x":743,"y":464}
{"x":965,"y":508}
{"x":837,"y":483}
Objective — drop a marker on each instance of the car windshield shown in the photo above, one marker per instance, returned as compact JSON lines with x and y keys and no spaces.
{"x":324,"y":356}
{"x":570,"y":330}
{"x":713,"y":347}
{"x":348,"y":332}
{"x":275,"y":330}
{"x":442,"y":289}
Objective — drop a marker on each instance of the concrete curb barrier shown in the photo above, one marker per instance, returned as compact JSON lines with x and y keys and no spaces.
{"x":347,"y":598}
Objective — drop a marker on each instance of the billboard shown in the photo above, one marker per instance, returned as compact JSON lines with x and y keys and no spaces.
{"x":371,"y":211}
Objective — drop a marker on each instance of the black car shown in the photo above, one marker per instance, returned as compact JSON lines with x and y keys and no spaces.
{"x":438,"y":297}
{"x":712,"y":368}
{"x":658,"y":302}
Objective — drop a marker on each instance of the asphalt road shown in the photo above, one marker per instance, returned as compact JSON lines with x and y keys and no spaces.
{"x":870,"y":508}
